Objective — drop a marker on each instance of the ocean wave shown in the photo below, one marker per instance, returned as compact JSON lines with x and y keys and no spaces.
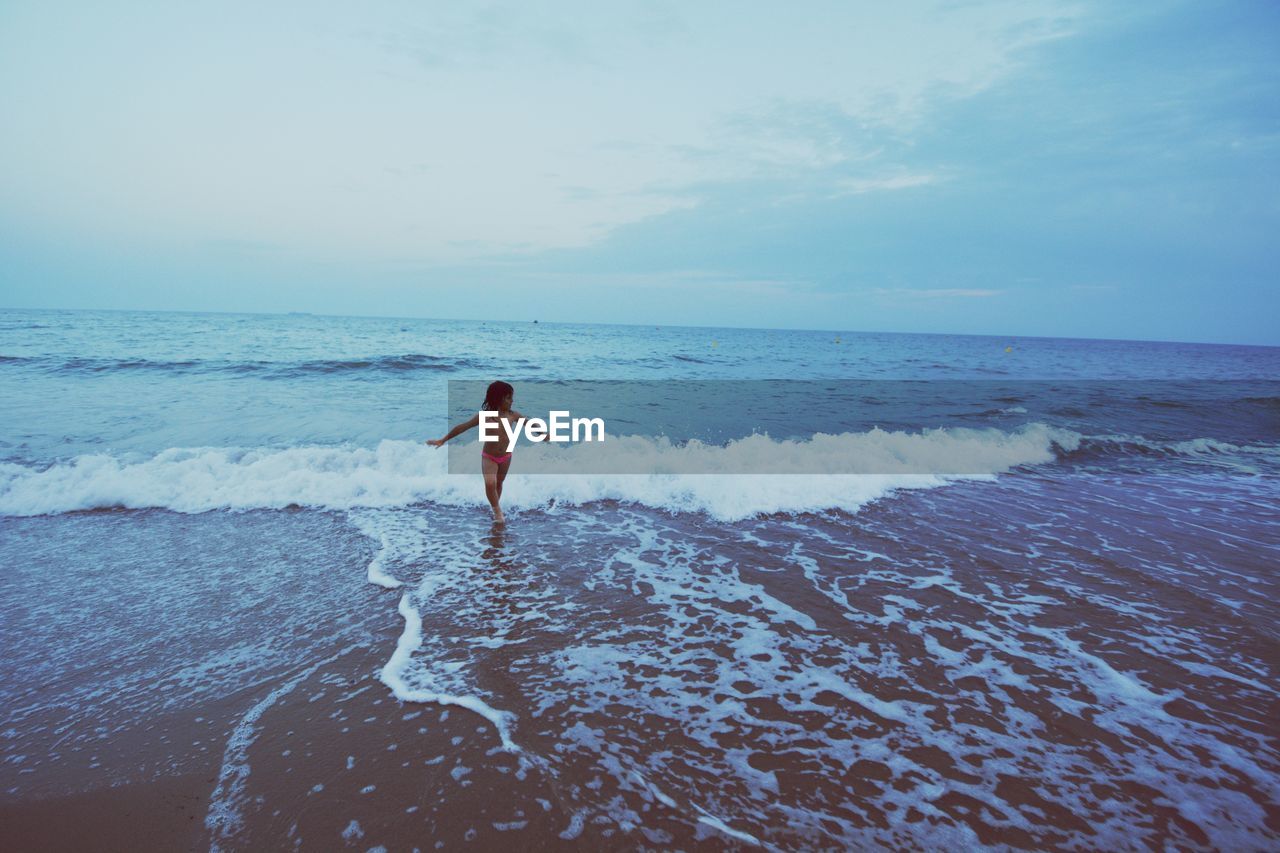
{"x":1265,"y":402}
{"x":390,"y":363}
{"x":266,"y":369}
{"x":404,"y":473}
{"x":1111,"y":446}
{"x":104,"y":365}
{"x":873,"y":464}
{"x":991,"y":413}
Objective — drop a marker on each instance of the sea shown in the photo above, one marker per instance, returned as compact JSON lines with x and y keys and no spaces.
{"x":227,"y":554}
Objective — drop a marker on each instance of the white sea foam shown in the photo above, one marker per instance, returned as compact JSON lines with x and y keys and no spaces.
{"x":711,"y":647}
{"x":403,"y":473}
{"x":376,"y":571}
{"x":223,"y":819}
{"x":409,"y":684}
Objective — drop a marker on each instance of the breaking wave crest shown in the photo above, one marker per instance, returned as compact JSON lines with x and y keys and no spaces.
{"x":405,"y":473}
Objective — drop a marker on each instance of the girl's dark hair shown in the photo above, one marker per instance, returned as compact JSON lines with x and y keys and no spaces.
{"x":493,"y":397}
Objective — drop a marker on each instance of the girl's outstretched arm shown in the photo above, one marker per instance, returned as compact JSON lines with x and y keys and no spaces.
{"x":456,"y":431}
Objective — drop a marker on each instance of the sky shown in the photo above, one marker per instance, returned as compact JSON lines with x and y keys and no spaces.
{"x":1076,"y":169}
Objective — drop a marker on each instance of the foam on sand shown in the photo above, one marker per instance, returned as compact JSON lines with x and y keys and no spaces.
{"x":841,"y":668}
{"x":406,"y":680}
{"x":224,"y":818}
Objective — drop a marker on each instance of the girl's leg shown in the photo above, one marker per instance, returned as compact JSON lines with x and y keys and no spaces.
{"x":492,"y":490}
{"x":502,"y":475}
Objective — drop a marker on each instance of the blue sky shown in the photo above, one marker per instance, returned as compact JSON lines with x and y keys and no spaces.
{"x":1014,"y":168}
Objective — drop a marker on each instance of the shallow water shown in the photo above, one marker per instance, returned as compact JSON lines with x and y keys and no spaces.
{"x":1075,"y":649}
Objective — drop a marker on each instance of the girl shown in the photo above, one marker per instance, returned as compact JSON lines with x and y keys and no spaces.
{"x":495,"y":455}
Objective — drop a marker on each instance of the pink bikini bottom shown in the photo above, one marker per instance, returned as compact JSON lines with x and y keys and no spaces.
{"x":497,"y":459}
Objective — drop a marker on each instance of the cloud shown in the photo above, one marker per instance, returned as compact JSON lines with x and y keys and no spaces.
{"x":457,"y":38}
{"x":430,"y":128}
{"x":241,"y":247}
{"x":858,"y":186}
{"x":901,"y":161}
{"x":938,"y":292}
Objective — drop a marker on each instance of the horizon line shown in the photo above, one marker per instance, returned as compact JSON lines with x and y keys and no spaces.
{"x":538,"y":321}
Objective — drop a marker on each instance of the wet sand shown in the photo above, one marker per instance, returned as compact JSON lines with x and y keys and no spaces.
{"x":335,"y":762}
{"x":167,"y":814}
{"x":888,"y":679}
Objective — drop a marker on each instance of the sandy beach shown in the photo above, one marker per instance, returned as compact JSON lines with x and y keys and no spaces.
{"x":246,"y":607}
{"x":440,"y":777}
